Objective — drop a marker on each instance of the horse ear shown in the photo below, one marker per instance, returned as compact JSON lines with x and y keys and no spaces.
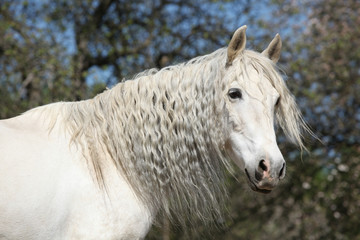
{"x":274,"y":49}
{"x":236,"y":45}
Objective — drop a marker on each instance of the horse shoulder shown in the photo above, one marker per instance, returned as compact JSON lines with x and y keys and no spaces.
{"x":32,"y":168}
{"x":45,"y":181}
{"x":114,"y":214}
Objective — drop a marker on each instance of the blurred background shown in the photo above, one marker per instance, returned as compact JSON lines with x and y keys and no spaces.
{"x":60,"y":50}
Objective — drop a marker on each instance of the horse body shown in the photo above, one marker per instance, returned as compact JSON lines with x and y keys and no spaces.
{"x":103,"y":168}
{"x":47,"y":191}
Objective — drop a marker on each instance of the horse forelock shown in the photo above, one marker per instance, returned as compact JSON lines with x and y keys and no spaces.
{"x":287,"y":113}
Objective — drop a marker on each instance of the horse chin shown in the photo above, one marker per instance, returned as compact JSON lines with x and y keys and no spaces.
{"x":254,"y":187}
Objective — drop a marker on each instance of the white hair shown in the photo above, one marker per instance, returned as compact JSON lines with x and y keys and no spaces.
{"x":165,"y":131}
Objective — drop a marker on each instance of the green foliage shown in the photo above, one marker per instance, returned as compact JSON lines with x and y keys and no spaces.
{"x":48,"y":47}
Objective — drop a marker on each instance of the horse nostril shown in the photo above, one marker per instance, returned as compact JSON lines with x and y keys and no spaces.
{"x":282,"y":170}
{"x":263,"y":166}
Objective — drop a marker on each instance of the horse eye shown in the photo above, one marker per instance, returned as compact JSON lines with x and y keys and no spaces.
{"x":235,"y":93}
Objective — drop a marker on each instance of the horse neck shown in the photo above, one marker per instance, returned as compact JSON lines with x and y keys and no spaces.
{"x":154,"y":126}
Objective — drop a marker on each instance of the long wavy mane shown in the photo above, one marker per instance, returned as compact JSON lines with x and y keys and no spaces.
{"x":165,"y":131}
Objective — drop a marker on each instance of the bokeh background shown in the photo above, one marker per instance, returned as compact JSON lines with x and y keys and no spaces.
{"x":60,"y":50}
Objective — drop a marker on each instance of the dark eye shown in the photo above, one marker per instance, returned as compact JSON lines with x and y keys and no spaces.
{"x":235,"y":93}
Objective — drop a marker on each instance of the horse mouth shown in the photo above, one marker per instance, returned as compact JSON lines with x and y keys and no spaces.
{"x":253,"y":186}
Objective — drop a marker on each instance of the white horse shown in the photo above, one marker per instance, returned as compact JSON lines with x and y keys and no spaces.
{"x":105,"y":167}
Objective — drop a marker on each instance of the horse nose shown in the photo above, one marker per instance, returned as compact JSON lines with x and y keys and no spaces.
{"x":282,"y":171}
{"x":263,"y":171}
{"x":264,"y":166}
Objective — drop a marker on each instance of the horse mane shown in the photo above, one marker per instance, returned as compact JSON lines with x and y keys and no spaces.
{"x":165,"y":132}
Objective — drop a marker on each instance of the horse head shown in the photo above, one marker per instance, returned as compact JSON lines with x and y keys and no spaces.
{"x":251,"y":103}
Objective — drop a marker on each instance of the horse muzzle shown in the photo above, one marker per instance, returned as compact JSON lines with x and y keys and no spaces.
{"x":264,"y":180}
